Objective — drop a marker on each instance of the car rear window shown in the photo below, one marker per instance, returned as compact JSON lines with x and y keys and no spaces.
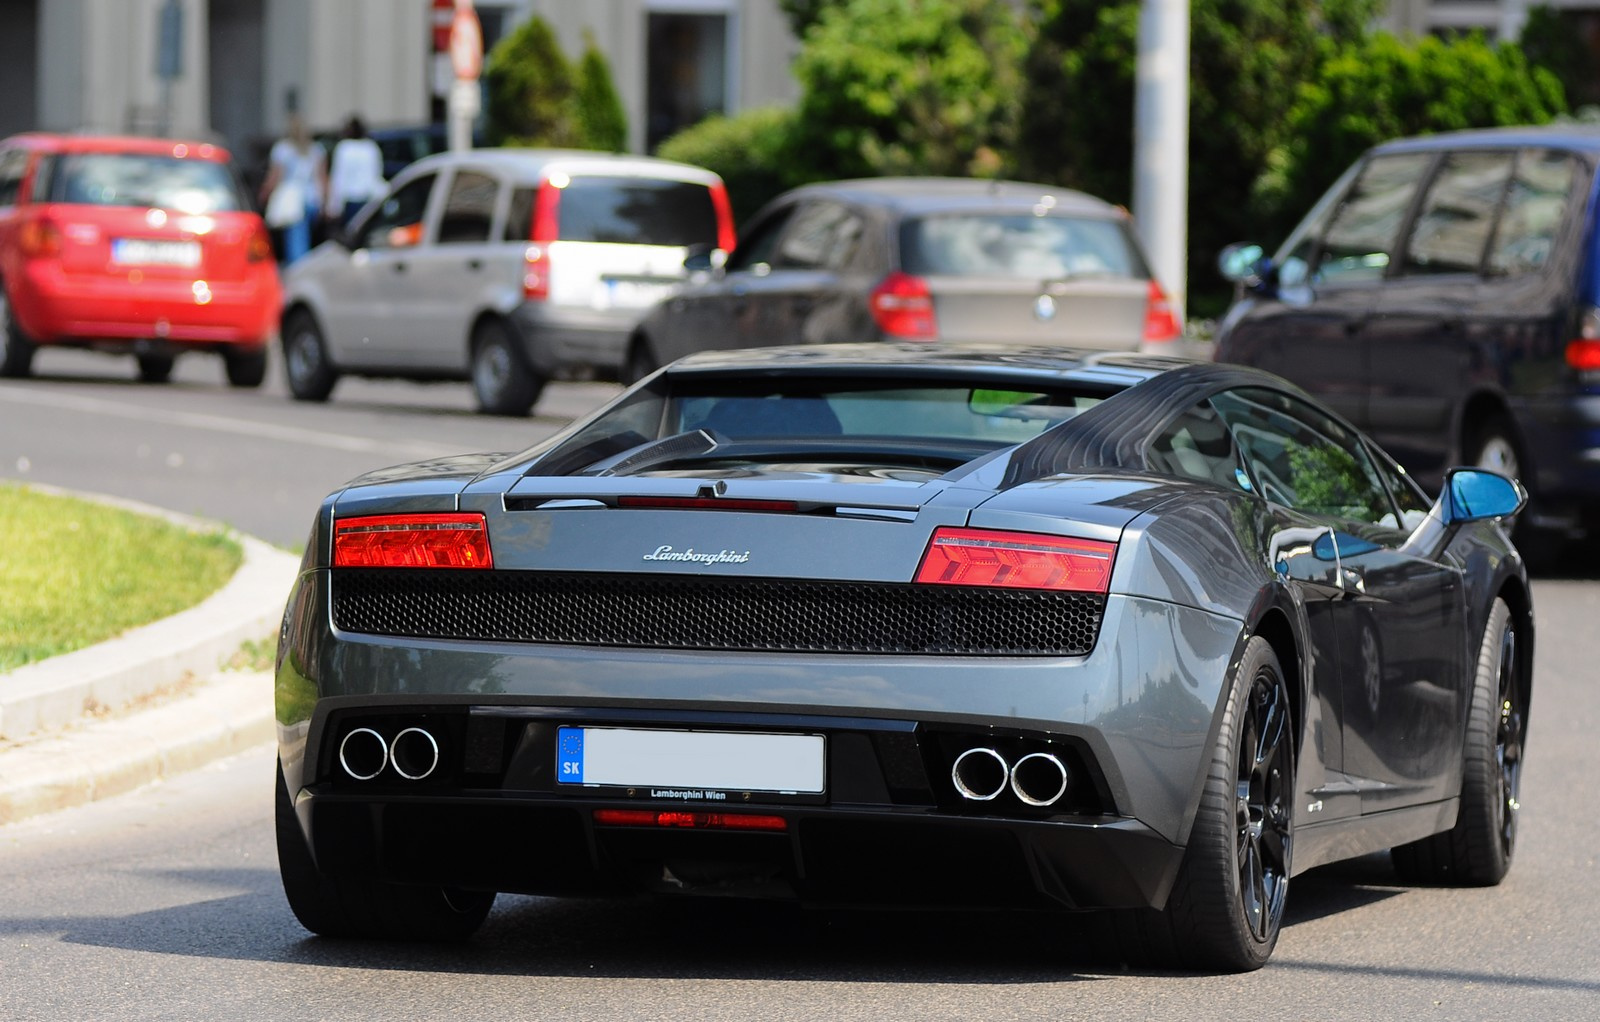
{"x":144,"y":180}
{"x":636,"y":211}
{"x":1019,"y":245}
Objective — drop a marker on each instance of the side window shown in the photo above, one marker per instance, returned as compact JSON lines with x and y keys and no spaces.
{"x":1198,"y":445}
{"x":1452,"y":229}
{"x":468,"y":209}
{"x":1364,"y":230}
{"x":1303,"y":459}
{"x":821,"y":236}
{"x":12,"y":164}
{"x":754,"y":253}
{"x":1533,"y":212}
{"x":397,"y":222}
{"x":1408,"y":498}
{"x":519,"y":218}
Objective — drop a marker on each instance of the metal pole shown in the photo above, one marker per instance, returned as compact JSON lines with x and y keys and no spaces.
{"x":1161,"y":144}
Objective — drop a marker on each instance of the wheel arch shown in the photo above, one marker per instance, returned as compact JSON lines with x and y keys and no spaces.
{"x":1515,"y":593}
{"x":1274,"y":626}
{"x":1479,"y":407}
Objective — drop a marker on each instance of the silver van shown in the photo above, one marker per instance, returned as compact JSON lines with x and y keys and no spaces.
{"x":506,"y":267}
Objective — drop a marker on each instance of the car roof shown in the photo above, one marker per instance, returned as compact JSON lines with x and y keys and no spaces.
{"x":1581,"y":137}
{"x":923,"y":195}
{"x":531,"y":165}
{"x":183,"y":148}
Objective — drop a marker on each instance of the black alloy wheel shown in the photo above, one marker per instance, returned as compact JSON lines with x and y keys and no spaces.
{"x":307,"y":367}
{"x":155,"y":368}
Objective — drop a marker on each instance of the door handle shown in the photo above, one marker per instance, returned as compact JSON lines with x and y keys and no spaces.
{"x":474,"y":264}
{"x":399,"y":267}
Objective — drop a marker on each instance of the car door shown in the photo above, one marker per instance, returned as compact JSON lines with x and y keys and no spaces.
{"x":364,"y":288}
{"x":1398,"y":618}
{"x":1423,"y":346}
{"x":452,"y":274}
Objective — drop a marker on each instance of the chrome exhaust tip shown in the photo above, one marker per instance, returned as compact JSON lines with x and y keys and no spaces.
{"x":1039,"y":779}
{"x":363,"y":754}
{"x":415,"y":753}
{"x":979,"y":774}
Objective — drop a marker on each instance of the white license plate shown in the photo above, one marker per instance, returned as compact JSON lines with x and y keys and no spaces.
{"x":637,"y":294}
{"x":684,"y":765}
{"x":144,"y":252}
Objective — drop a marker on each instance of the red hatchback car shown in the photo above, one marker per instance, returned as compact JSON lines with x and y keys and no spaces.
{"x":137,"y":246}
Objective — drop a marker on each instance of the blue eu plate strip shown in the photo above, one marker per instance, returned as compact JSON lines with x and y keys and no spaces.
{"x":569,"y":755}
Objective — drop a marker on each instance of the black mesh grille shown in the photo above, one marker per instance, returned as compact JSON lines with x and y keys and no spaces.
{"x":677,"y":612}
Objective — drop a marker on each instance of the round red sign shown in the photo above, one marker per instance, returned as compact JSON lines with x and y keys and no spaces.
{"x":466,"y":42}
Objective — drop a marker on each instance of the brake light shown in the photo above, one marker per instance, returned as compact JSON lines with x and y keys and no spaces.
{"x":726,"y":238}
{"x":675,"y":818}
{"x":1017,"y":560}
{"x":903,"y":308}
{"x":40,"y":239}
{"x":259,"y":248}
{"x":1160,"y":323}
{"x":412,"y":541}
{"x":1583,"y":354}
{"x":546,"y":210}
{"x":536,"y":273}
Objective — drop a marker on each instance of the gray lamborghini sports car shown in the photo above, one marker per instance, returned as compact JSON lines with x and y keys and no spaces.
{"x":896,"y":624}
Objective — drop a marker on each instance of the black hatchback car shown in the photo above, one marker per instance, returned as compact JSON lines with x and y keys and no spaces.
{"x":919,"y":259}
{"x":1443,"y":296}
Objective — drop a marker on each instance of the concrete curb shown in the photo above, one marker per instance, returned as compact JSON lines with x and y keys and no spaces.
{"x":55,"y":754}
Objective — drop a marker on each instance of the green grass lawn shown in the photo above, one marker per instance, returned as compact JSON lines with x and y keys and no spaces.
{"x":73,"y":573}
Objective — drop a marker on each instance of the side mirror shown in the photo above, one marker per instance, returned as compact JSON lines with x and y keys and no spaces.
{"x":1240,"y":263}
{"x":704,"y":259}
{"x":1475,"y":494}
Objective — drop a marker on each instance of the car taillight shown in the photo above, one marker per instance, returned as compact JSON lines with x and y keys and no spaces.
{"x":675,"y":818}
{"x":1583,"y":352}
{"x":412,"y":541}
{"x":547,"y":209}
{"x":903,"y":308}
{"x":726,"y":237}
{"x":1016,"y":560}
{"x":536,"y":273}
{"x":1160,"y":324}
{"x":40,"y":239}
{"x":259,"y":248}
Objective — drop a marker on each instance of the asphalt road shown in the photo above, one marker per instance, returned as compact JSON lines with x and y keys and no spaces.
{"x":165,"y":904}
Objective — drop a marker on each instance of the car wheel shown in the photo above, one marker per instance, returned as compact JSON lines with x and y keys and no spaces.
{"x":501,"y":379}
{"x":1227,"y":903}
{"x":306,"y":364}
{"x":640,"y":361}
{"x":155,"y":368}
{"x":246,"y":368}
{"x":1493,"y":446}
{"x":368,"y":908}
{"x":1478,"y":849}
{"x":16,"y":350}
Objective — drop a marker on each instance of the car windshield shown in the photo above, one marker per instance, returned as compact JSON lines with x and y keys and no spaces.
{"x":145,"y":180}
{"x":1017,"y":245}
{"x":962,"y":418}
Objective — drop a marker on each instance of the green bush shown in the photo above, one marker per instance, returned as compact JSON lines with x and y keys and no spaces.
{"x":531,"y":90}
{"x":755,"y":153}
{"x":601,"y":120}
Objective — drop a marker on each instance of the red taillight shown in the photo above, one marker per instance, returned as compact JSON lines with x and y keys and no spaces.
{"x":259,"y":248}
{"x":412,"y":541}
{"x":547,"y":212}
{"x":40,"y":239}
{"x":726,"y":238}
{"x":536,"y":273}
{"x":1583,"y":353}
{"x":903,"y":307}
{"x":1017,"y":560}
{"x":1160,"y":324}
{"x":710,"y":503}
{"x":677,"y":818}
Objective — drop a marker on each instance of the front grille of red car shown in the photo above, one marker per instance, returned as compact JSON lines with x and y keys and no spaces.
{"x":678,"y":612}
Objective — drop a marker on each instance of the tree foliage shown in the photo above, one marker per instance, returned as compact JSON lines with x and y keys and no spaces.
{"x":911,"y":86}
{"x":755,"y":153}
{"x":1560,"y":42}
{"x":537,"y":99}
{"x":601,"y":120}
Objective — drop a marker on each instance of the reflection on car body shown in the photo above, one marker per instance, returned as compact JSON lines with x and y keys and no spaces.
{"x":966,"y":625}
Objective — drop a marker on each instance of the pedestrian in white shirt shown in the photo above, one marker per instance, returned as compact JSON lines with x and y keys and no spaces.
{"x":356,"y":173}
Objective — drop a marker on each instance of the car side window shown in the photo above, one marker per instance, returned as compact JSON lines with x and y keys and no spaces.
{"x":519,"y":216}
{"x":1198,"y":445}
{"x":1302,"y":458}
{"x":1408,"y":497}
{"x":1452,"y":228}
{"x":1362,"y":235}
{"x":12,"y":164}
{"x":468,"y":209}
{"x":821,"y":236}
{"x":397,"y":222}
{"x":1534,"y":208}
{"x":754,"y":253}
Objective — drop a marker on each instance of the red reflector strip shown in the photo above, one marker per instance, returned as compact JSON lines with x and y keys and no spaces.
{"x":412,"y":541}
{"x":1016,"y":560}
{"x":709,"y":503}
{"x":1584,"y":355}
{"x":676,"y":818}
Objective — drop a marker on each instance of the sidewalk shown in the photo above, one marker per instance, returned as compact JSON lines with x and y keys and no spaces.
{"x":148,"y":704}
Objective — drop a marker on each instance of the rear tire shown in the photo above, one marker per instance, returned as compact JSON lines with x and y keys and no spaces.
{"x":367,"y":908}
{"x":16,"y":349}
{"x":308,"y":368}
{"x":1477,"y":851}
{"x":247,"y":368}
{"x":155,"y":368}
{"x":641,"y":362}
{"x":502,"y":381}
{"x":1493,"y":446}
{"x":1226,"y":906}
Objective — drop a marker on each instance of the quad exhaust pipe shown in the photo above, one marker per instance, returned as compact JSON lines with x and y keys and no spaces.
{"x":364,"y":753}
{"x":981,"y":774}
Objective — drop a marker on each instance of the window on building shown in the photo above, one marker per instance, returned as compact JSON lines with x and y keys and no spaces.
{"x":686,"y":72}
